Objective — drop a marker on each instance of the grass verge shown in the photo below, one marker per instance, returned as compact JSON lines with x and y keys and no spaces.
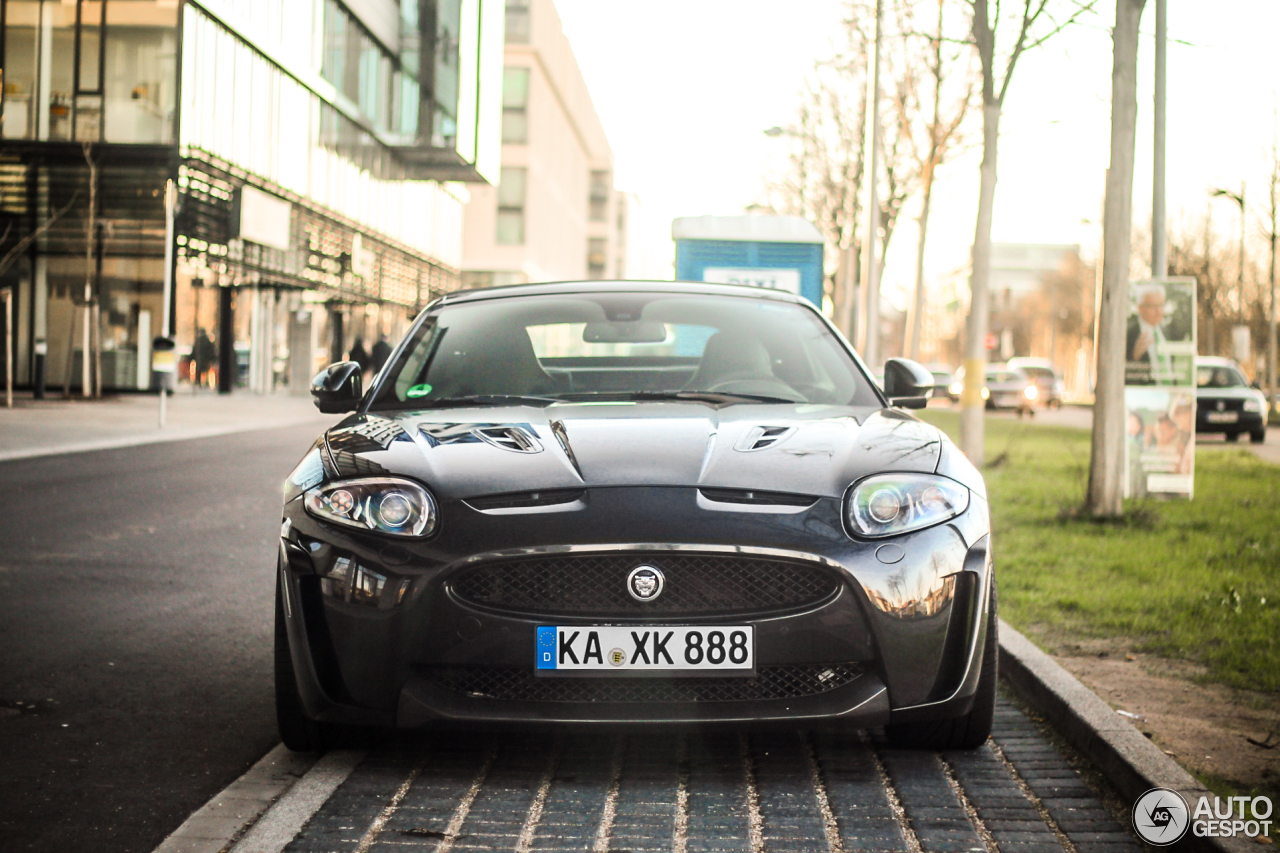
{"x":1196,"y":580}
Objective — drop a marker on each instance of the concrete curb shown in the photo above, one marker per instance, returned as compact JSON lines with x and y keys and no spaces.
{"x":224,"y":818}
{"x":157,"y":437}
{"x":1131,"y":762}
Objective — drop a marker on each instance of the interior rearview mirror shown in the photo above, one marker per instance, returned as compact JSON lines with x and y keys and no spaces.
{"x":907,"y":384}
{"x":636,"y":332}
{"x":338,"y":388}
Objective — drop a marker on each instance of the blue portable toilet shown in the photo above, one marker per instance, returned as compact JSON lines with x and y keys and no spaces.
{"x":782,"y":252}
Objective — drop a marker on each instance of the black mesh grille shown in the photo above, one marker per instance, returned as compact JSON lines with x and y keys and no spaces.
{"x":596,"y":584}
{"x":519,"y":684}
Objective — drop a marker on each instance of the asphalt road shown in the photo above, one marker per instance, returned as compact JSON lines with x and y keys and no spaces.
{"x":135,"y":635}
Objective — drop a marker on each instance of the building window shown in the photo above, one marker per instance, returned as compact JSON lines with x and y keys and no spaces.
{"x":517,"y":21}
{"x":384,"y":87}
{"x":122,"y":91}
{"x":598,"y":199}
{"x":596,"y":257}
{"x":511,"y":195}
{"x":515,"y":105}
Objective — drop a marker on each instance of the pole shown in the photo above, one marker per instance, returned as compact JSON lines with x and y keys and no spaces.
{"x":870,"y":277}
{"x":1159,"y":237}
{"x":1240,"y":273}
{"x":168,"y":287}
{"x":8,"y":348}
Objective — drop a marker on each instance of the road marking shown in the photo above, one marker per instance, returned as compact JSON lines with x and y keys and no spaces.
{"x":284,"y":820}
{"x":464,"y":805}
{"x":755,"y":822}
{"x":680,"y":834}
{"x":611,"y":796}
{"x":375,"y":828}
{"x":534,"y":817}
{"x":829,"y":825}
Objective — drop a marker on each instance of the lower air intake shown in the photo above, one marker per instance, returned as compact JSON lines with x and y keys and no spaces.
{"x":518,"y":684}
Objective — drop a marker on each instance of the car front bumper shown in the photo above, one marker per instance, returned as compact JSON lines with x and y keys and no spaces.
{"x":897,"y":638}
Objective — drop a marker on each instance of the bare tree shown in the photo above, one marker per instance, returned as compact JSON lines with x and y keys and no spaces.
{"x":931,"y":100}
{"x":825,"y":164}
{"x":1105,"y":495}
{"x":1033,"y":24}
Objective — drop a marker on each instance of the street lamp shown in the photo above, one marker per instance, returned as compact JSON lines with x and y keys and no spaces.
{"x":1239,"y":200}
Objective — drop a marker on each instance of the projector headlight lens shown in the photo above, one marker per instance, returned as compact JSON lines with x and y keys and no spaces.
{"x":889,"y":504}
{"x":380,"y":504}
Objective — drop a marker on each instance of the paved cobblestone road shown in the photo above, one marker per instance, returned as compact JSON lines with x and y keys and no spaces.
{"x":706,"y":792}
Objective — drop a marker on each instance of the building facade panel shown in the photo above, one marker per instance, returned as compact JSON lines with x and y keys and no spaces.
{"x":309,"y":207}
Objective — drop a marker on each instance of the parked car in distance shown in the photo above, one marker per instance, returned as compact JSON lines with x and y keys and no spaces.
{"x":1225,"y":403}
{"x":942,"y":379}
{"x":1009,"y":388}
{"x":1046,"y":377}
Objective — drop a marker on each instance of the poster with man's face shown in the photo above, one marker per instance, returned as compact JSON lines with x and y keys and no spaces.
{"x":1159,"y":346}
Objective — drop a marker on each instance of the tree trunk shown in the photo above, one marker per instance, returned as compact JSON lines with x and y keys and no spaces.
{"x":972,"y":438}
{"x":917,"y":304}
{"x":1106,"y":463}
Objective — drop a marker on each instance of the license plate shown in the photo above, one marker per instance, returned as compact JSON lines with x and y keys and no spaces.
{"x":667,"y":648}
{"x":1223,"y":417}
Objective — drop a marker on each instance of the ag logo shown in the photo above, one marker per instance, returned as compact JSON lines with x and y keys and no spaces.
{"x":645,"y":583}
{"x":1161,"y":816}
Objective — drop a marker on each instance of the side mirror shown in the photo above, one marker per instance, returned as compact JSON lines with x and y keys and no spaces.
{"x":337,"y":388}
{"x":907,"y":384}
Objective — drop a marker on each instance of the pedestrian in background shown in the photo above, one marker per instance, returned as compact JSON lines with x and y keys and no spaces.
{"x":358,"y":355}
{"x":381,"y":352}
{"x":203,"y":354}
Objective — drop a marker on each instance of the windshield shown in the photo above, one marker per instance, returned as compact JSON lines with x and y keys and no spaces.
{"x":1037,"y":372}
{"x":1219,"y":377}
{"x":622,"y":345}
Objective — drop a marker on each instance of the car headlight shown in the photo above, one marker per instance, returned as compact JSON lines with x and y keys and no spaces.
{"x":1031,"y":392}
{"x":889,"y":504}
{"x":986,"y":392}
{"x":956,"y":388}
{"x":1253,"y":406}
{"x":382,"y":504}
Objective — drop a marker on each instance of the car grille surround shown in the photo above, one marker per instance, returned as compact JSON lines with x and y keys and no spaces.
{"x":519,"y":684}
{"x":595,"y":584}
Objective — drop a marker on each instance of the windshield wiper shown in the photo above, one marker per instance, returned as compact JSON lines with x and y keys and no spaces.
{"x":482,"y":400}
{"x":721,"y":397}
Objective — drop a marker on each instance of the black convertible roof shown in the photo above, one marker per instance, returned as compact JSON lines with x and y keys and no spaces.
{"x":566,"y":287}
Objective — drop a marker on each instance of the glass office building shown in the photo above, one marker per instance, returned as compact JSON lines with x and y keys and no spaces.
{"x":318,"y":153}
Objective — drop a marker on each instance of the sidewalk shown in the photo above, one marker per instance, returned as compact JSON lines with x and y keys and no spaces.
{"x":53,"y":425}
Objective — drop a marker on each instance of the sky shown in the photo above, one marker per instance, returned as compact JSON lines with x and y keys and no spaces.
{"x":686,"y":89}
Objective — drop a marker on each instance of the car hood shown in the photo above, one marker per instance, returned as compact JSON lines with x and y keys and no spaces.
{"x":803,"y":449}
{"x":1238,"y":392}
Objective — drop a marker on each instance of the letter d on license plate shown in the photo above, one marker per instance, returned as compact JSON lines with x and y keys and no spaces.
{"x":664,"y":648}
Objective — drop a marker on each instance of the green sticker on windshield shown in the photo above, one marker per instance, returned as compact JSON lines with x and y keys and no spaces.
{"x":418,"y":391}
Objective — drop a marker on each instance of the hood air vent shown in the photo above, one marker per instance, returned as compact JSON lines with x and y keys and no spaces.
{"x":750,"y":496}
{"x":514,"y":438}
{"x":758,"y":438}
{"x":520,"y":500}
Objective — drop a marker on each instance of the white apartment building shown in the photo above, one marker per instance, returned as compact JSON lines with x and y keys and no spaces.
{"x":554,"y":214}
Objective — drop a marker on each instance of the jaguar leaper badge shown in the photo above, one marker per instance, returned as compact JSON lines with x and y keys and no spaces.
{"x":645,"y":583}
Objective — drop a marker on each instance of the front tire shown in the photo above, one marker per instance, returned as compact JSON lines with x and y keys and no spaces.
{"x":1233,"y":436}
{"x":1258,"y":436}
{"x":971,"y":730}
{"x":299,"y":732}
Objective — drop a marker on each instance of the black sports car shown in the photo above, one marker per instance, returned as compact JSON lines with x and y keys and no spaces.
{"x":657,"y":502}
